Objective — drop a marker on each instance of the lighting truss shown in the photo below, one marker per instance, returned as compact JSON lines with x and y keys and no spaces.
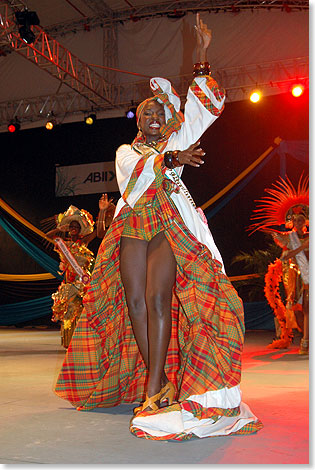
{"x":51,"y":56}
{"x":172,"y":9}
{"x":270,"y":77}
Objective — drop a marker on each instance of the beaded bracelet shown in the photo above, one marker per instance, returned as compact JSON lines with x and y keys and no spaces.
{"x":171,"y":159}
{"x":201,"y":68}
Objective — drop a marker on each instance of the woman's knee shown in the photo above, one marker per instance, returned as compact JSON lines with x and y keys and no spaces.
{"x":136,"y":306}
{"x":158,"y":302}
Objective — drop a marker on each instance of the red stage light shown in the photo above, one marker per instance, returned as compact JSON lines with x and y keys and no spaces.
{"x":13,"y":126}
{"x":297,"y":90}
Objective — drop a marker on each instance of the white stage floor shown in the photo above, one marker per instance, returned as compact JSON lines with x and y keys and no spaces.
{"x":37,"y":427}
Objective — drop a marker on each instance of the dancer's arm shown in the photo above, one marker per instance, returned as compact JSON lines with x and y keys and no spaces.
{"x":205,"y":100}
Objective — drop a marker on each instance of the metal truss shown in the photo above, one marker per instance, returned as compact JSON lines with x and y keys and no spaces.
{"x":270,"y":77}
{"x":51,"y":56}
{"x":172,"y":9}
{"x":101,"y":8}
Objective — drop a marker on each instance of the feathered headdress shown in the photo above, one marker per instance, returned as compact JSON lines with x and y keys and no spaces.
{"x":282,"y":206}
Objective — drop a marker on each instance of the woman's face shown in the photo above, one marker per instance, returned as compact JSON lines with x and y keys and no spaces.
{"x":299,"y":221}
{"x":74,"y":228}
{"x":151,"y":120}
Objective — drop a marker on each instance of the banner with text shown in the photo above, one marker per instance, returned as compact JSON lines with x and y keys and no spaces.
{"x":89,"y":178}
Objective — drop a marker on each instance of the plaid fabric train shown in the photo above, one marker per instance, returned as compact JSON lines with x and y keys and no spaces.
{"x":103,"y":366}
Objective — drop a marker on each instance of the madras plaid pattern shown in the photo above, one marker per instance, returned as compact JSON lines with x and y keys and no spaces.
{"x":203,"y":413}
{"x":137,"y":172}
{"x":249,"y":428}
{"x":173,"y":124}
{"x":103,"y":366}
{"x":214,"y":413}
{"x":143,"y":223}
{"x":213,"y":86}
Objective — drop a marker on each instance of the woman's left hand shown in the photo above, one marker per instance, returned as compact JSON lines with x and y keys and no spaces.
{"x":104,"y":203}
{"x":191,"y":156}
{"x":204,"y":36}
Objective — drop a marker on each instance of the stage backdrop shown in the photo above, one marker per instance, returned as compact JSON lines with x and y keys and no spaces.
{"x":91,"y":178}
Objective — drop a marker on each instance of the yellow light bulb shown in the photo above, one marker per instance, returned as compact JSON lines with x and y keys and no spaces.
{"x":297,"y":90}
{"x":255,"y":96}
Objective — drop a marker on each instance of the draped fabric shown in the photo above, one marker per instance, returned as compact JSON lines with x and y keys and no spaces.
{"x":32,"y":250}
{"x":13,"y":314}
{"x":297,"y":149}
{"x":258,"y":316}
{"x":103,"y":366}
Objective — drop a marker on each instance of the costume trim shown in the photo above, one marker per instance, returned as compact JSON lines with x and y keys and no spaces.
{"x":273,"y":278}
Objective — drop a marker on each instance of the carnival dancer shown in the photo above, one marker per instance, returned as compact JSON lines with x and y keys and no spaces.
{"x":161,"y":321}
{"x":76,"y":261}
{"x":289,"y":207}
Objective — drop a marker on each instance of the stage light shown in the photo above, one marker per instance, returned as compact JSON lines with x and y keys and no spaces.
{"x":50,"y":124}
{"x":255,"y":96}
{"x":90,"y":119}
{"x":297,"y":90}
{"x":25,"y":19}
{"x":130,"y":114}
{"x":14,"y":126}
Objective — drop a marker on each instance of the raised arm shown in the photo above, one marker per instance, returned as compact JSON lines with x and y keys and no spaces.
{"x":205,"y":100}
{"x":204,"y":36}
{"x":104,"y":219}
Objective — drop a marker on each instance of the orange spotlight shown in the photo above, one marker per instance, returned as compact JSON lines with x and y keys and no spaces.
{"x":255,"y":96}
{"x":50,"y":124}
{"x":297,"y":90}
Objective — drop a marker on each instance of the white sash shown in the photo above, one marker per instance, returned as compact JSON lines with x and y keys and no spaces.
{"x":301,"y":259}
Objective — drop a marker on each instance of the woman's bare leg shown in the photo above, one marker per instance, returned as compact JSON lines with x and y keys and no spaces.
{"x":161,"y":275}
{"x":133,"y":261}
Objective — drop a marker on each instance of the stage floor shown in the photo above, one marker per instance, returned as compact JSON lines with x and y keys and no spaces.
{"x":37,"y":427}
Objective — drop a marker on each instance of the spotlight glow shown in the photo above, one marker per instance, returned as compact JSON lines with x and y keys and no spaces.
{"x":255,"y":96}
{"x":49,"y":125}
{"x":297,"y":90}
{"x":14,"y":126}
{"x":130,"y":114}
{"x":89,"y":120}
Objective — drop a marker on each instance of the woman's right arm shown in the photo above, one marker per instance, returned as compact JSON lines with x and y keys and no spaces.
{"x":205,"y":100}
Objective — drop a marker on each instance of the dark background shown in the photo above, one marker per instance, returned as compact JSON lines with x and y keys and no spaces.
{"x":242,"y":133}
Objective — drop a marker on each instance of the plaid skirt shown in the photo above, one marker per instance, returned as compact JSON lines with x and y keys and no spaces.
{"x":143,"y":223}
{"x":103,"y":366}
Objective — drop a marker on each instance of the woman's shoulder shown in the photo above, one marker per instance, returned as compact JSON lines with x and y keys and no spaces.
{"x":124,"y":148}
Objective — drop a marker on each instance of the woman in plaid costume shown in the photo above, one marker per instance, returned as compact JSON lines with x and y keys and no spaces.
{"x":161,"y":320}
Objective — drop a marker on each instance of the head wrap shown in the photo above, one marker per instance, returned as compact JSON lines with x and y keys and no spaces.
{"x":165,"y":94}
{"x":83,"y":217}
{"x":283,"y":205}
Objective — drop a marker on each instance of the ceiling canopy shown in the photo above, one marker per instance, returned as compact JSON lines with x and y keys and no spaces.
{"x":97,"y":55}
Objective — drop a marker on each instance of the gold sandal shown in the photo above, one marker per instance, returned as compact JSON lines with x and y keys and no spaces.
{"x":166,"y":393}
{"x":150,"y":402}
